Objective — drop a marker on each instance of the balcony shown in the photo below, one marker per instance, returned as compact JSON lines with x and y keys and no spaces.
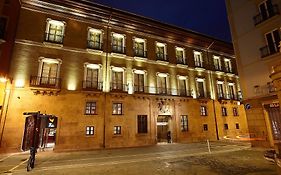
{"x":141,"y":89}
{"x":267,"y":51}
{"x":203,"y":95}
{"x":162,"y":57}
{"x":118,"y":87}
{"x":96,"y":45}
{"x":118,"y":49}
{"x":227,"y":70}
{"x":217,"y":67}
{"x":140,"y":53}
{"x":92,"y":86}
{"x":261,"y":17}
{"x":181,"y":61}
{"x":199,"y":64}
{"x":45,"y":82}
{"x":54,"y":38}
{"x":184,"y":93}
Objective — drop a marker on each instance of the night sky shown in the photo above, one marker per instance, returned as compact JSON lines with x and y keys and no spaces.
{"x":204,"y":16}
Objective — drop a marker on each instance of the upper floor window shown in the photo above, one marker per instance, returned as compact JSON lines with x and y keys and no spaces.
{"x":55,"y":31}
{"x":48,"y":73}
{"x":117,"y":79}
{"x":162,"y":83}
{"x":142,"y":124}
{"x":92,"y":77}
{"x":182,"y":86}
{"x":139,"y":79}
{"x":225,"y":126}
{"x":94,"y":39}
{"x":118,"y":43}
{"x":272,"y":41}
{"x":198,"y":59}
{"x":231,"y":91}
{"x":217,"y":63}
{"x":161,"y":51}
{"x":227,"y":65}
{"x":266,"y":11}
{"x":200,"y":86}
{"x":235,"y":111}
{"x":220,"y":89}
{"x":3,"y":23}
{"x":205,"y":127}
{"x":180,"y":55}
{"x":90,"y":130}
{"x":139,"y":47}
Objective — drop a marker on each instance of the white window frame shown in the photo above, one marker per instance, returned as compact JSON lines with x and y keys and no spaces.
{"x":93,"y":66}
{"x":271,"y":33}
{"x":200,"y":59}
{"x":118,"y":69}
{"x":204,"y":86}
{"x":183,"y":50}
{"x":159,"y":44}
{"x":219,"y":62}
{"x":94,"y":30}
{"x":140,"y":40}
{"x":230,"y":64}
{"x":41,"y":60}
{"x":119,"y":35}
{"x":58,"y":22}
{"x":165,"y":75}
{"x":144,"y":72}
{"x":180,"y":77}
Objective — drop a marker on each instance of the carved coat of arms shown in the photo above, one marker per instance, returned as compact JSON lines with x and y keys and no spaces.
{"x":164,"y":106}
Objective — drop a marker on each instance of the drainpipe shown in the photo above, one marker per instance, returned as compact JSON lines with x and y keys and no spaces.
{"x":212,"y":85}
{"x":106,"y":77}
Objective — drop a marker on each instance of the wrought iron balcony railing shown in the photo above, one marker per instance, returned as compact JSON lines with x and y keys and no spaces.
{"x":266,"y":51}
{"x":119,"y":87}
{"x":94,"y":45}
{"x":45,"y":82}
{"x":162,"y":57}
{"x":54,"y":38}
{"x":181,"y":61}
{"x":118,"y":49}
{"x":204,"y":95}
{"x":261,"y":17}
{"x":92,"y":85}
{"x":140,"y":53}
{"x":199,"y":64}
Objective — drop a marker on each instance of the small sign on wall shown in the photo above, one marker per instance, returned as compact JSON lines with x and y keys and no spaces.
{"x":247,"y":106}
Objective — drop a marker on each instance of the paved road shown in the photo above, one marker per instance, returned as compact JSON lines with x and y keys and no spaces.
{"x":180,"y":159}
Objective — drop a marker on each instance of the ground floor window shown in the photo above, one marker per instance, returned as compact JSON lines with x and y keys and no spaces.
{"x":117,"y":130}
{"x":184,"y":123}
{"x":223,"y":111}
{"x":90,"y":130}
{"x":90,"y":108}
{"x":225,"y":126}
{"x":117,"y":108}
{"x":203,"y":110}
{"x":142,"y":123}
{"x":237,"y":126}
{"x":235,"y":111}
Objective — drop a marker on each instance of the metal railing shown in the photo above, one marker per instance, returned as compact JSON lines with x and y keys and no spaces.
{"x":118,"y":87}
{"x":266,"y":51}
{"x":161,"y":57}
{"x":203,"y":95}
{"x":199,"y":64}
{"x":140,"y":53}
{"x":259,"y":18}
{"x":45,"y":82}
{"x":54,"y":38}
{"x":118,"y":49}
{"x":92,"y":85}
{"x":94,"y":45}
{"x":181,"y":61}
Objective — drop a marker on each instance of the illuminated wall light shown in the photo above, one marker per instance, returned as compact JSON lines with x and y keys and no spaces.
{"x":162,"y":75}
{"x":95,"y":30}
{"x":3,"y":79}
{"x":182,"y":77}
{"x":19,"y":83}
{"x":117,"y":35}
{"x":71,"y":87}
{"x":93,"y":66}
{"x":160,"y":44}
{"x":139,"y":72}
{"x":139,"y":40}
{"x":117,"y":69}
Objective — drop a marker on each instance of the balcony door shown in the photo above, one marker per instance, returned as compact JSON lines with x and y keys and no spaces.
{"x":162,"y":85}
{"x":139,"y":82}
{"x":49,"y":73}
{"x":273,"y":40}
{"x":117,"y":80}
{"x":92,"y":76}
{"x":266,"y":9}
{"x":220,"y":90}
{"x":182,"y":87}
{"x":200,"y":86}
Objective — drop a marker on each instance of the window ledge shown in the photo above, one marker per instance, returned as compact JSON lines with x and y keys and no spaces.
{"x":200,"y":68}
{"x":49,"y":44}
{"x":140,"y":58}
{"x":182,"y":65}
{"x":162,"y":62}
{"x":117,"y":135}
{"x":230,"y":74}
{"x":141,"y":134}
{"x":94,"y":51}
{"x":120,"y":55}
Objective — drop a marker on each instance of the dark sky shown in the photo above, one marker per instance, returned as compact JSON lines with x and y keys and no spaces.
{"x":203,"y":16}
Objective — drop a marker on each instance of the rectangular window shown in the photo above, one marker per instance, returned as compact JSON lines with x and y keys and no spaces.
{"x":142,"y":124}
{"x":92,"y":77}
{"x":203,"y":110}
{"x":118,"y":43}
{"x":117,"y":80}
{"x":200,"y":89}
{"x":228,"y":66}
{"x":224,"y":111}
{"x":273,"y":40}
{"x":54,"y":31}
{"x":162,"y":85}
{"x":3,"y":24}
{"x":220,"y":90}
{"x":205,"y":127}
{"x":235,"y":111}
{"x":139,"y":47}
{"x":217,"y":63}
{"x":49,"y":73}
{"x":184,"y":123}
{"x":138,"y":82}
{"x":117,"y":109}
{"x":180,"y":55}
{"x":94,"y":39}
{"x":237,"y":126}
{"x":198,"y":59}
{"x":225,"y":126}
{"x":182,"y":87}
{"x":90,"y":130}
{"x":91,"y":108}
{"x":117,"y":130}
{"x":161,"y":51}
{"x":231,"y":91}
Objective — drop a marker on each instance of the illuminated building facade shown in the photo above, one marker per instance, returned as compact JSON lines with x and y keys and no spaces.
{"x":255,"y":27}
{"x":115,"y":79}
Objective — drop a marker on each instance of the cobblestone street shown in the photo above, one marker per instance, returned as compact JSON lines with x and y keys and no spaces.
{"x":164,"y":159}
